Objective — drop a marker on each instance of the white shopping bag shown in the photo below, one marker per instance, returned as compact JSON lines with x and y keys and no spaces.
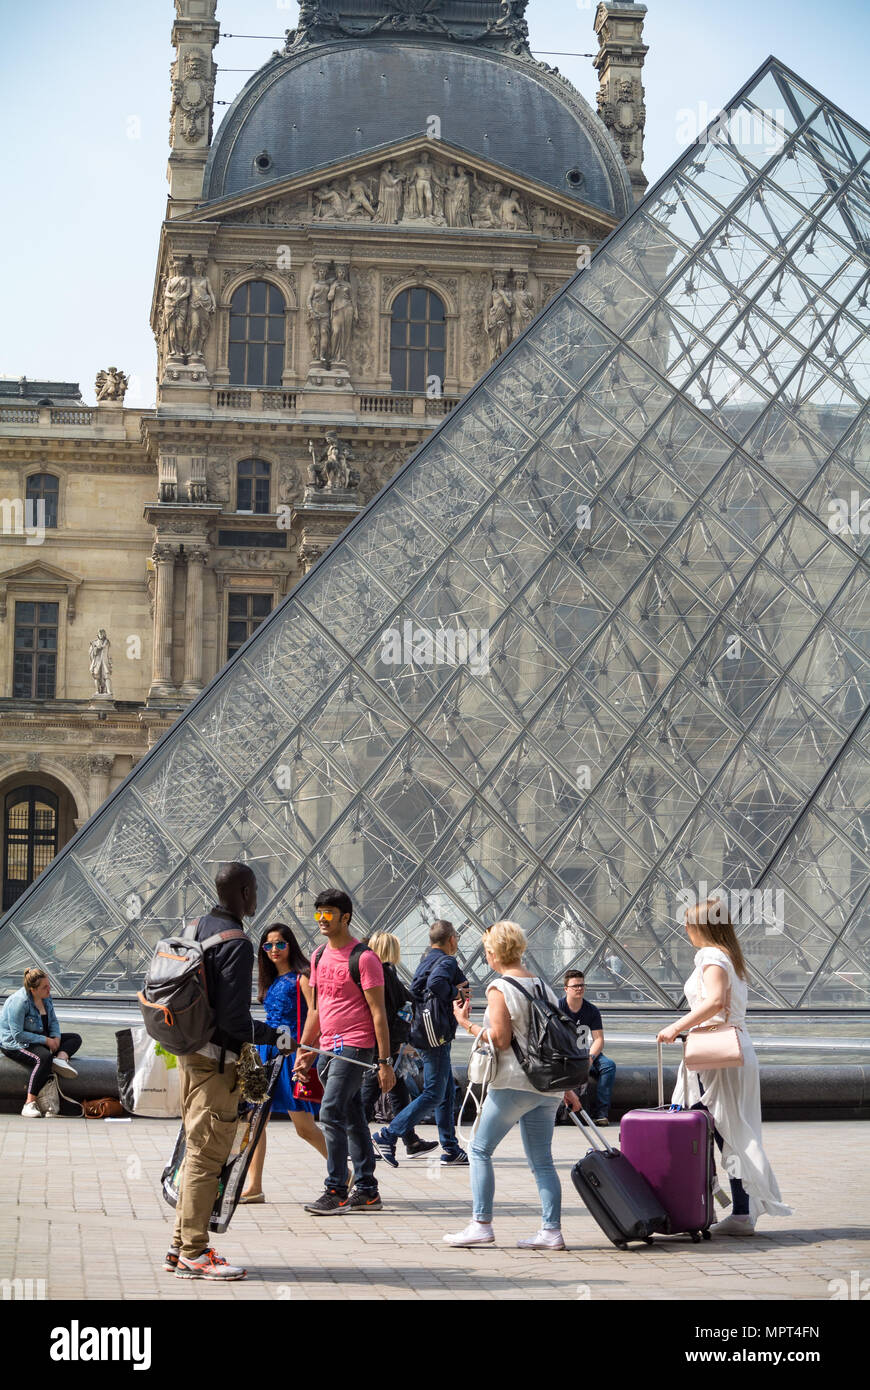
{"x":147,"y":1076}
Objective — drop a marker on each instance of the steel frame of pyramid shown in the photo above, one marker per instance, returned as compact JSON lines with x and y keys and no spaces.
{"x":624,"y":538}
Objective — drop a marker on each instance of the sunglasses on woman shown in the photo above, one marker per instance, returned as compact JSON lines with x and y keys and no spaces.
{"x":275,"y":946}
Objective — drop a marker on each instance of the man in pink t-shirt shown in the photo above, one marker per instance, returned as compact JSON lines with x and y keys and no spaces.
{"x":350,"y":1019}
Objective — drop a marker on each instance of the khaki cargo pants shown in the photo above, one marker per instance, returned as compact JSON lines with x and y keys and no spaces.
{"x":209,"y":1112}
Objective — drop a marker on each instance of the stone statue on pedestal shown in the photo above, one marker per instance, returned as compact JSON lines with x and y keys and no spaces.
{"x":111,"y":385}
{"x":101,"y":663}
{"x":202,"y":309}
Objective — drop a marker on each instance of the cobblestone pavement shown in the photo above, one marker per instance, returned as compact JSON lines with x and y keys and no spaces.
{"x":80,"y":1208}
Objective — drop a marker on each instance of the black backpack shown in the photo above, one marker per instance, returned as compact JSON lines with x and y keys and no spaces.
{"x":554,"y":1059}
{"x":396,"y":998}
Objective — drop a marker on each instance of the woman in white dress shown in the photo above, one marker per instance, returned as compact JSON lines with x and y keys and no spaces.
{"x":717,"y":991}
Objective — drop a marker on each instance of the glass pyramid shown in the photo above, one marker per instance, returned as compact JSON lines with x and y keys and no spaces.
{"x":602,"y":645}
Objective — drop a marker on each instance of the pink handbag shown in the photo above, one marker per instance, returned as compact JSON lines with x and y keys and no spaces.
{"x":714,"y":1046}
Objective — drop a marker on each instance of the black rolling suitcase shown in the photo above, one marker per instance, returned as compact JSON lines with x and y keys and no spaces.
{"x":620,"y":1199}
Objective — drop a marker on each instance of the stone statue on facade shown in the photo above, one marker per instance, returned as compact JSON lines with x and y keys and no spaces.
{"x":389,"y":195}
{"x":201,"y":313}
{"x":420,"y":201}
{"x":457,"y":198}
{"x":344,"y":314}
{"x":524,"y":307}
{"x":332,"y":472}
{"x":330,"y":202}
{"x":101,"y":663}
{"x":318,"y":317}
{"x":111,"y":385}
{"x":360,"y":199}
{"x":498,"y":316}
{"x":176,"y":310}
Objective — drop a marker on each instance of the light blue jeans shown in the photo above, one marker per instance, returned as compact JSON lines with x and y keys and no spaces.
{"x":536,"y":1115}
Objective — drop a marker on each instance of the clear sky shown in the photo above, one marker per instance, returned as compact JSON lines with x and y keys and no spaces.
{"x":84,"y":93}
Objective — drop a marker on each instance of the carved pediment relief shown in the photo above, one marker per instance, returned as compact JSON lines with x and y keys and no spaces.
{"x":423,"y":184}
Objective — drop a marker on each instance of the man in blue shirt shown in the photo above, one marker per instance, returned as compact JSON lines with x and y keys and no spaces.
{"x":575,"y":1004}
{"x":438,"y":980}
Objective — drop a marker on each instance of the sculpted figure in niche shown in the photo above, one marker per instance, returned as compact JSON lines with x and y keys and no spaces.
{"x":101,"y":663}
{"x":176,"y":308}
{"x":524,"y":308}
{"x":457,"y":198}
{"x":360,"y":199}
{"x":498,"y":318}
{"x":332,"y":473}
{"x":486,"y":212}
{"x":344,"y":314}
{"x":202,"y":308}
{"x":389,"y":195}
{"x":318,"y":314}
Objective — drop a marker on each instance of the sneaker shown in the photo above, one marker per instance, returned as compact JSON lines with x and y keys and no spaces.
{"x":64,"y":1066}
{"x":328,"y":1204}
{"x":544,"y":1240}
{"x":32,"y":1111}
{"x":602,"y":1121}
{"x":416,"y":1146}
{"x":170,"y":1260}
{"x":457,"y":1160}
{"x":208,"y":1265}
{"x":734,"y":1226}
{"x":475,"y":1233}
{"x":364,"y":1201}
{"x":385,"y":1147}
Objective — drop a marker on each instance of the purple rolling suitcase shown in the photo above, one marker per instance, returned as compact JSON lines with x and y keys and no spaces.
{"x":673,"y":1149}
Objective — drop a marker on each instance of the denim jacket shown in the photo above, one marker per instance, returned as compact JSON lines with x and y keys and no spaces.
{"x":21,"y":1021}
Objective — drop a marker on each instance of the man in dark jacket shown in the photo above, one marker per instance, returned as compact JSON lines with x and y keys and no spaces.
{"x":438,"y":980}
{"x":208,"y":1078}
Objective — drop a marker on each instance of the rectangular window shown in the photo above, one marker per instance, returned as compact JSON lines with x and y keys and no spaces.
{"x":35,"y":660}
{"x":245,"y":612}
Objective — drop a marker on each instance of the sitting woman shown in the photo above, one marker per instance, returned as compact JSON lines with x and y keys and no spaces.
{"x":285,"y":990}
{"x":30,"y":1035}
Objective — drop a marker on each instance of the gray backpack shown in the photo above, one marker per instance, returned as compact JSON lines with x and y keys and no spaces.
{"x":174,"y":999}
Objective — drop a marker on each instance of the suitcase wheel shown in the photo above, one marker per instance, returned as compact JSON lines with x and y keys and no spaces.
{"x":706,"y":1235}
{"x":696,"y":1237}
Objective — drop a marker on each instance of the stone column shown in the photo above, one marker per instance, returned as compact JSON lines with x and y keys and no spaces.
{"x":193,"y":623}
{"x":161,"y":681}
{"x":619,"y":63}
{"x":99,"y":769}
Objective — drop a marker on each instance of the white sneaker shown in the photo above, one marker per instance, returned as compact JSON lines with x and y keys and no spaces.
{"x":32,"y":1111}
{"x":544,"y":1240}
{"x":734,"y":1226}
{"x":64,"y":1066}
{"x":475,"y":1233}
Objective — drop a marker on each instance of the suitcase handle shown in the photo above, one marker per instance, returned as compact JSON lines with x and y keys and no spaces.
{"x":591,"y":1131}
{"x":662,"y":1076}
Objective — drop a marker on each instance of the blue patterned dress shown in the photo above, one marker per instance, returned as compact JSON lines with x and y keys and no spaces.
{"x":280,"y":1006}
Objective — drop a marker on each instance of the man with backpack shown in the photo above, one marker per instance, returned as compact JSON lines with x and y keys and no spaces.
{"x":437,"y":982}
{"x":348,"y":1017}
{"x":208,"y":1076}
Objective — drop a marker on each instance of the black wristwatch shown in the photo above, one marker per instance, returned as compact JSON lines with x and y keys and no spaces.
{"x":385,"y":1061}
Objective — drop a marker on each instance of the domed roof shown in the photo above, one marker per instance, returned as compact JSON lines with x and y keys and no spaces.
{"x":326,"y":102}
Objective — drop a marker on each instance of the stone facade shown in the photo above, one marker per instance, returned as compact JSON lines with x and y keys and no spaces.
{"x":150,"y":543}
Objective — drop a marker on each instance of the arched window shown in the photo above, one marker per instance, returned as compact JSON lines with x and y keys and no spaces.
{"x":42,"y":487}
{"x":256,"y":335}
{"x":417,"y":340}
{"x":29,"y":838}
{"x":253,"y":477}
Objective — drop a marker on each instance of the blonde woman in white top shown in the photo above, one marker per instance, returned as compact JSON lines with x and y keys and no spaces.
{"x":718,"y":986}
{"x":511,"y":1099}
